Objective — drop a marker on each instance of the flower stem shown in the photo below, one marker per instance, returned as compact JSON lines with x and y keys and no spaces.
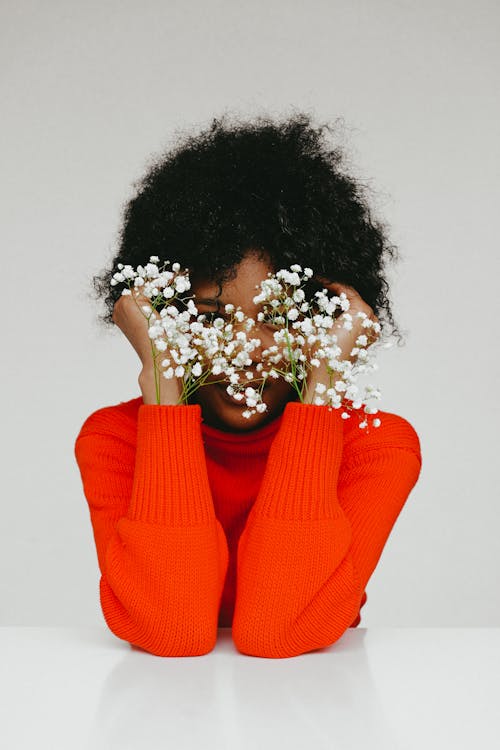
{"x":155,"y":370}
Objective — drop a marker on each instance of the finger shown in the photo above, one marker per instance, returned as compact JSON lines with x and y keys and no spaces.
{"x":338,"y":287}
{"x":349,"y":291}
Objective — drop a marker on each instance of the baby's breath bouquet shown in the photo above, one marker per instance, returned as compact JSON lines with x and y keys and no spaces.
{"x":183,"y":343}
{"x":306,"y":337}
{"x":195,"y":348}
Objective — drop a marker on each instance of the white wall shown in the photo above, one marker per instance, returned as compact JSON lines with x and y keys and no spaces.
{"x":90,"y":91}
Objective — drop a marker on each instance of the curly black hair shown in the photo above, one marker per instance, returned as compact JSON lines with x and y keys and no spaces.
{"x":276,"y":188}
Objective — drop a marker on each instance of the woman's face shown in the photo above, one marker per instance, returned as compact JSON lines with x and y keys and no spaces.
{"x":218,"y":408}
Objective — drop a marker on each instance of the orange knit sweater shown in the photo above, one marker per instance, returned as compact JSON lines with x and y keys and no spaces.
{"x":274,"y":532}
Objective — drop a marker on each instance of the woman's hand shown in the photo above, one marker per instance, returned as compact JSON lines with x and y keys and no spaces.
{"x":346,"y":339}
{"x":134,"y":324}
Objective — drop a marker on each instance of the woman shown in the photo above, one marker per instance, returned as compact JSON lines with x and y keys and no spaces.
{"x":271,"y":525}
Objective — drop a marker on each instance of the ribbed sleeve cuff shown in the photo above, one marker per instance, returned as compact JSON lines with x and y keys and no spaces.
{"x":300,"y":481}
{"x":171,"y":484}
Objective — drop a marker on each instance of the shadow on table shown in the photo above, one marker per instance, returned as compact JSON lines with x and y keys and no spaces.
{"x":224,"y":699}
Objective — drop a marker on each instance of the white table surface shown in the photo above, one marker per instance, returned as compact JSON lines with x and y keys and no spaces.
{"x":401,"y":688}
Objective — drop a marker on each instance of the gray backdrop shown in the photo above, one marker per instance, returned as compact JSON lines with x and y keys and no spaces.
{"x":90,"y":92}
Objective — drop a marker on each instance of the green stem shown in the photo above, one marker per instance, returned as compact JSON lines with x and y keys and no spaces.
{"x":292,"y":360}
{"x":155,"y":371}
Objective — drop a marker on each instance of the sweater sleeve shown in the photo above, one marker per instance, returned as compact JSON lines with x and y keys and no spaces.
{"x":162,"y":553}
{"x":318,"y":527}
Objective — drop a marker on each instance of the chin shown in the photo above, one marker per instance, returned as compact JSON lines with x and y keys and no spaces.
{"x":223,"y":412}
{"x":238,"y":423}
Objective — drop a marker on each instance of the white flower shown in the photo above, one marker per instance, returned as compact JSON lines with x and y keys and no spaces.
{"x":344,"y":302}
{"x":151,"y":269}
{"x":196,"y":369}
{"x":128,"y":272}
{"x":289,"y":278}
{"x":182,"y":284}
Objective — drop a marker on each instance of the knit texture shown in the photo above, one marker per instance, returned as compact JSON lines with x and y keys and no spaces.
{"x":275,"y":532}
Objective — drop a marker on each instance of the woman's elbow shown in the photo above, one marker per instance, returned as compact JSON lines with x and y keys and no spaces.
{"x":176,"y":649}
